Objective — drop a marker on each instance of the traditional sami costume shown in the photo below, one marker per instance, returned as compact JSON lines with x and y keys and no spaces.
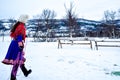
{"x":15,"y":52}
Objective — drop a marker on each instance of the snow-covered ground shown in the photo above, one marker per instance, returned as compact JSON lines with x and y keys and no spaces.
{"x":72,"y":62}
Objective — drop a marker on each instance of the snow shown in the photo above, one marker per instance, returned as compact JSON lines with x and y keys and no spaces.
{"x":72,"y":62}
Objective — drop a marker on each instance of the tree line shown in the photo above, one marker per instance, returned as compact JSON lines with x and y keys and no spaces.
{"x":46,"y":22}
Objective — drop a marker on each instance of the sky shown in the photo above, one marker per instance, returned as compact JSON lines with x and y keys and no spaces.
{"x":88,"y":9}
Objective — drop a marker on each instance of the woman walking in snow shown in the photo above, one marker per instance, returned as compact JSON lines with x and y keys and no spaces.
{"x":15,"y":52}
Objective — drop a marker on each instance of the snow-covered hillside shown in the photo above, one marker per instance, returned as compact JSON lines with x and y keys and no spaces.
{"x":72,"y":62}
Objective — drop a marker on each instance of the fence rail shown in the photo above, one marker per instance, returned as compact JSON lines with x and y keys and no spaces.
{"x":102,"y":43}
{"x":74,"y":42}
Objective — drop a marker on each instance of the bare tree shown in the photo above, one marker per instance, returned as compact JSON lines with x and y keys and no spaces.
{"x":45,"y":21}
{"x":48,"y":16}
{"x":37,"y":28}
{"x":118,"y":14}
{"x":71,"y":18}
{"x":109,"y":18}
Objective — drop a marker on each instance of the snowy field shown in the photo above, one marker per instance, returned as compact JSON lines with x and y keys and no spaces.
{"x":72,"y":62}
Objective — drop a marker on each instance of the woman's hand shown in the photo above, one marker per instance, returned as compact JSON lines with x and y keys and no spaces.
{"x":21,"y":46}
{"x":20,"y":43}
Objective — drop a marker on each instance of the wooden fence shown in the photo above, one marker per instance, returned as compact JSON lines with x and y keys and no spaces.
{"x":112,"y":43}
{"x":74,"y":41}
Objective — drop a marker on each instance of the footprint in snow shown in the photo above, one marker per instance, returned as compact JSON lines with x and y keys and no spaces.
{"x":71,"y":62}
{"x":60,"y":60}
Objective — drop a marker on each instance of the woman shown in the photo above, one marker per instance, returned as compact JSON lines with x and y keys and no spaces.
{"x":15,"y":52}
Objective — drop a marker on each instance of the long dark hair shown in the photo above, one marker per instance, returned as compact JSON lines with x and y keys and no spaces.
{"x":14,"y":27}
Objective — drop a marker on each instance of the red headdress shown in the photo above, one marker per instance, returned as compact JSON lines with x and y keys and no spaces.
{"x":20,"y":30}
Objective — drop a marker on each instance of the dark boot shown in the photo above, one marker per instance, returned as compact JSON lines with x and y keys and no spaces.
{"x":12,"y":77}
{"x":25,"y":71}
{"x":28,"y":72}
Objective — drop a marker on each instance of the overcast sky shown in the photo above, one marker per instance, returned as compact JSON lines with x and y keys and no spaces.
{"x":88,"y":9}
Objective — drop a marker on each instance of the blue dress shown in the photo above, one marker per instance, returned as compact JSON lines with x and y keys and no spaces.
{"x":14,"y":52}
